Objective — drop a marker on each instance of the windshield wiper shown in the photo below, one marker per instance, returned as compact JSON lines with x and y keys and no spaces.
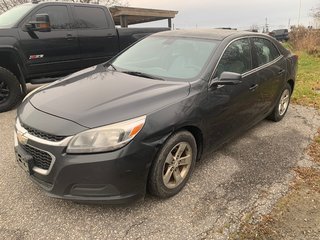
{"x":107,"y":65}
{"x":141,"y":74}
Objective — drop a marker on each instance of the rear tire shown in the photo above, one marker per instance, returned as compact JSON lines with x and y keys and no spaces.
{"x":10,"y":90}
{"x":173,"y":166}
{"x":282,"y":105}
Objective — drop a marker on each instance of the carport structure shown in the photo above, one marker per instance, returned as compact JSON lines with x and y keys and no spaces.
{"x":126,"y":16}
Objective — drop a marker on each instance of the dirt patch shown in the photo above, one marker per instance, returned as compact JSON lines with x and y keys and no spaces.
{"x":296,"y":215}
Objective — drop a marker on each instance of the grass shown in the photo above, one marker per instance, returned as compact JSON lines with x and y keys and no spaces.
{"x":307,"y":89}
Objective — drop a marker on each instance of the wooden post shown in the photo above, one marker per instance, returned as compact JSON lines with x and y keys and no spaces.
{"x":170,"y":23}
{"x":123,"y":21}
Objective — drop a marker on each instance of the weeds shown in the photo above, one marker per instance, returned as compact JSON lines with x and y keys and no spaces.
{"x":303,"y":39}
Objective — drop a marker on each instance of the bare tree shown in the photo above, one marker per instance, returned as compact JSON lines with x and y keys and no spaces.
{"x":7,"y":4}
{"x":254,"y":28}
{"x":315,"y":13}
{"x":108,"y":3}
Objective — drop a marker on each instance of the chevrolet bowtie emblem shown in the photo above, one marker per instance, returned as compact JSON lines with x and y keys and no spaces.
{"x":22,"y":138}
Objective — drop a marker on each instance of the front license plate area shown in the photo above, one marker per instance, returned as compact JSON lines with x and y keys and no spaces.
{"x":25,"y":161}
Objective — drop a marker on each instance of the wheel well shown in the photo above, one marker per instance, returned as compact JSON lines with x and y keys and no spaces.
{"x":9,"y":62}
{"x":291,"y":83}
{"x":196,"y":132}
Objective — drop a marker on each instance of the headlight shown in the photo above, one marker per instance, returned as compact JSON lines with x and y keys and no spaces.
{"x":34,"y":91}
{"x":107,"y":138}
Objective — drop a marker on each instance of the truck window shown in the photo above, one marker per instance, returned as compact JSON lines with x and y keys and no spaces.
{"x":59,"y":17}
{"x":91,"y":17}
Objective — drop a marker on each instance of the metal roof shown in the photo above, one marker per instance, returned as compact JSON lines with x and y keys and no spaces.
{"x":131,"y":15}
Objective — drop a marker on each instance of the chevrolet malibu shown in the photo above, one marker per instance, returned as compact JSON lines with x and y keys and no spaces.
{"x":139,"y":122}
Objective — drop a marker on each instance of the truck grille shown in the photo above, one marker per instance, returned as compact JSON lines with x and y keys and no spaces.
{"x":41,"y":159}
{"x":43,"y":135}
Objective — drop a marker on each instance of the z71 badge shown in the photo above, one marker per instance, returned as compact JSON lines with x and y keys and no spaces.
{"x":32,"y":57}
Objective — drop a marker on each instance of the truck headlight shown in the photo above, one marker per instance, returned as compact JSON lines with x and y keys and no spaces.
{"x":107,"y":138}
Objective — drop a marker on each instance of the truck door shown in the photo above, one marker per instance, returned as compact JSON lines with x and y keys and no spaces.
{"x":98,"y":37}
{"x":54,"y":52}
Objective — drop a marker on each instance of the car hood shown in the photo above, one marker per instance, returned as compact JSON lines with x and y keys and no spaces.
{"x":96,"y":96}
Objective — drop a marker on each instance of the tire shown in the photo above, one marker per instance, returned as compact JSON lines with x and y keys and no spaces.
{"x":282,"y":105}
{"x":10,"y":90}
{"x":160,"y":182}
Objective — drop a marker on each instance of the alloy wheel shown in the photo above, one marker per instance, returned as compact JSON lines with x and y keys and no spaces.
{"x":284,"y":102}
{"x":177,"y":165}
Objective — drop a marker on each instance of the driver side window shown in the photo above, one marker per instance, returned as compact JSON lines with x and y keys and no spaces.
{"x":59,"y":17}
{"x":236,"y":58}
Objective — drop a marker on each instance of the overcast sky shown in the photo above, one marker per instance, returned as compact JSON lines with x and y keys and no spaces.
{"x":240,"y":14}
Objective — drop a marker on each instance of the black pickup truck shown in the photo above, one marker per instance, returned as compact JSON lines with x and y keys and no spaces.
{"x":40,"y":42}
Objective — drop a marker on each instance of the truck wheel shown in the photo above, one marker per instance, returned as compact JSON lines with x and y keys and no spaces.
{"x":10,"y":90}
{"x":173,"y":166}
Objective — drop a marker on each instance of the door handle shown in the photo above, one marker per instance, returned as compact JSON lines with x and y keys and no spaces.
{"x":69,"y":37}
{"x":110,"y":35}
{"x":254,"y":87}
{"x":281,"y":71}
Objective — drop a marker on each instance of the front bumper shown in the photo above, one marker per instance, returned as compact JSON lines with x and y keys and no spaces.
{"x":115,"y":177}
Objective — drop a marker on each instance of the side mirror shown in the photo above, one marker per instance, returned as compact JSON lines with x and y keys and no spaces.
{"x":42,"y":23}
{"x":227,"y":78}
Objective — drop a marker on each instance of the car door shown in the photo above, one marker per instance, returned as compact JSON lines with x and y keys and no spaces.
{"x":232,"y":108}
{"x":98,"y":37}
{"x":52,"y":52}
{"x":270,"y":74}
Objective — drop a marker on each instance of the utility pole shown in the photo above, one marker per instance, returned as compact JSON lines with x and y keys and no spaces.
{"x":267,"y":26}
{"x":289,"y":23}
{"x":299,"y":13}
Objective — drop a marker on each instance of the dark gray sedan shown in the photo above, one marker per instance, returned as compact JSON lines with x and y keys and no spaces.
{"x":140,"y":122}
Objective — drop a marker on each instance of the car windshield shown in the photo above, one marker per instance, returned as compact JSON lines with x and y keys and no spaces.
{"x":167,"y":57}
{"x":13,"y":16}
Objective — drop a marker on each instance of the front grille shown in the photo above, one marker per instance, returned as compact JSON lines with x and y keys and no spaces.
{"x":41,"y":159}
{"x":43,"y":135}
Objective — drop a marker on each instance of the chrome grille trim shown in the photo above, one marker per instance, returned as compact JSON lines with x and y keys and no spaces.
{"x":43,"y":135}
{"x":38,"y":169}
{"x":24,"y":131}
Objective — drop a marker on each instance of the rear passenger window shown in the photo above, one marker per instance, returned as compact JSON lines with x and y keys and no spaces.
{"x":236,"y":58}
{"x":265,"y":51}
{"x":91,"y":17}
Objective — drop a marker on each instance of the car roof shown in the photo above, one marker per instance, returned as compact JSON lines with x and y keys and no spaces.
{"x":215,"y":34}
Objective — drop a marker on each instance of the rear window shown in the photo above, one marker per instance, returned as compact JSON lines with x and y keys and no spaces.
{"x":265,"y":51}
{"x":91,"y":17}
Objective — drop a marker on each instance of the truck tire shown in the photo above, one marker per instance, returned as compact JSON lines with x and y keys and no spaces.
{"x":10,"y":90}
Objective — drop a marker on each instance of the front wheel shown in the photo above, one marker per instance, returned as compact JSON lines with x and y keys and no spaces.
{"x":10,"y":90}
{"x":282,"y":105}
{"x":173,"y":166}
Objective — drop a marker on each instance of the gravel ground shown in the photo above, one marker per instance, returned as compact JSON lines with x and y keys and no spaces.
{"x":249,"y":174}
